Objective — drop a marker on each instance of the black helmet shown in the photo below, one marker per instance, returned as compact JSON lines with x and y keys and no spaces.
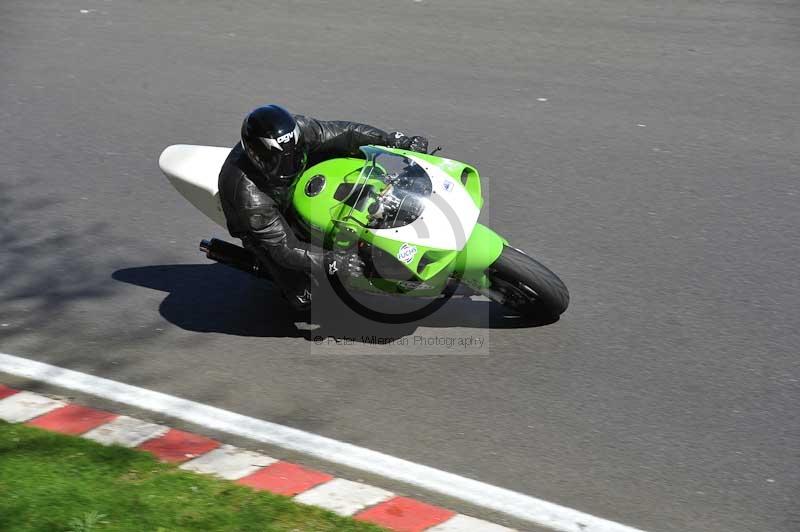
{"x":272,"y":141}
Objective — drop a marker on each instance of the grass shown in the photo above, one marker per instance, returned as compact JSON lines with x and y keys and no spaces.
{"x":51,"y":482}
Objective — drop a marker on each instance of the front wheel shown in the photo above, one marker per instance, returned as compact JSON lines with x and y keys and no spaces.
{"x":525,"y":286}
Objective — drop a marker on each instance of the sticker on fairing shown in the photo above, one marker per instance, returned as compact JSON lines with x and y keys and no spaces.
{"x":448,"y":186}
{"x":406,"y":253}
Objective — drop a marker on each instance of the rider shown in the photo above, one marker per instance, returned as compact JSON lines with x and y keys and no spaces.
{"x":275,"y":148}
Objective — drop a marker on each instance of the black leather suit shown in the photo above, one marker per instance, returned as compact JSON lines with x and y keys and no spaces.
{"x":255,"y":206}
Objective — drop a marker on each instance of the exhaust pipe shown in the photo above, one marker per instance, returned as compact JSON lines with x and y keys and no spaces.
{"x":231,"y":255}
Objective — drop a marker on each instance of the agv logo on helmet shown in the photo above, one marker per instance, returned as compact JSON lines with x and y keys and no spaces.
{"x":283,"y":139}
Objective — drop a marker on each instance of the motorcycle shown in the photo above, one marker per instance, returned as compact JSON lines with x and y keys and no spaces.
{"x":412,"y":217}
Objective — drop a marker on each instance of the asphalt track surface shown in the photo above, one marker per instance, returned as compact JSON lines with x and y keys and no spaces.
{"x":645,"y":151}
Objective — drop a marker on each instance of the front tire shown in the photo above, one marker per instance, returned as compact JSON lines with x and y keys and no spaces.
{"x":526,"y":286}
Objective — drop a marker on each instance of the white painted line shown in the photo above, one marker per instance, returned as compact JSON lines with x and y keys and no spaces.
{"x":24,"y":406}
{"x":495,"y":498}
{"x":463,"y":523}
{"x":126,"y":431}
{"x":344,"y":497}
{"x":229,"y":462}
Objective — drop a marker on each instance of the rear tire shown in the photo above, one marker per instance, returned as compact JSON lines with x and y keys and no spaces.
{"x":525,"y":286}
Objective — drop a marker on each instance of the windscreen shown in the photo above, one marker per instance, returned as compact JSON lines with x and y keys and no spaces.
{"x":390,"y":191}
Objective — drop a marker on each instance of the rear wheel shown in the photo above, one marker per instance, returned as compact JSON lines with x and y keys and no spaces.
{"x":525,"y":286}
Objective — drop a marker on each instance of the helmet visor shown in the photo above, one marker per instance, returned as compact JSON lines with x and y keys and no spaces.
{"x":291,"y":159}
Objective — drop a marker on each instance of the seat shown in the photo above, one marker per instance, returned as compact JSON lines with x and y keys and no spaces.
{"x":194,"y":172}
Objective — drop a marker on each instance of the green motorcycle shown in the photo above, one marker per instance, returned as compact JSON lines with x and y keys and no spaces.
{"x":412,"y":217}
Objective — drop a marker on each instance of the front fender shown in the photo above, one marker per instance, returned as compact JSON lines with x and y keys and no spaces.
{"x":481,"y":250}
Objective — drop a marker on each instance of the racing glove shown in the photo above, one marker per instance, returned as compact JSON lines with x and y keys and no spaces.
{"x":398,"y":139}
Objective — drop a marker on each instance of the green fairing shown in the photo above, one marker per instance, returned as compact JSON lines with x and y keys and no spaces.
{"x":324,"y":215}
{"x":462,"y":173}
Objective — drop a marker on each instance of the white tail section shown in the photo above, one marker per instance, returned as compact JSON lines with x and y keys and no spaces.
{"x":194,"y":172}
